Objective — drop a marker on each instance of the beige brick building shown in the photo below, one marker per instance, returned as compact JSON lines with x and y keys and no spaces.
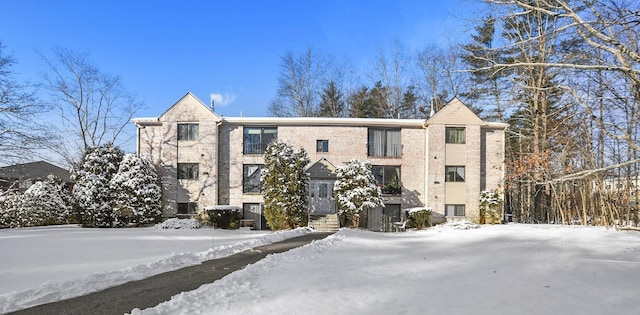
{"x":442,"y":163}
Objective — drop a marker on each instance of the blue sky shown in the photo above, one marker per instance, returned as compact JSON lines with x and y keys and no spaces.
{"x":164,"y":49}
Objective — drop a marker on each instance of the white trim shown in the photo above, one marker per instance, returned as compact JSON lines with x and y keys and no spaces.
{"x":325,"y":121}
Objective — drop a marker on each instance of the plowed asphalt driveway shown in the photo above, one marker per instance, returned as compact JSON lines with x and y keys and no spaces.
{"x":159,"y":288}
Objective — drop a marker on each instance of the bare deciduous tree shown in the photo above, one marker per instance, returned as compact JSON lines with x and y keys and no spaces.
{"x":593,"y":176}
{"x":301,"y":81}
{"x":94,"y":107}
{"x":20,"y":135}
{"x":392,"y":72}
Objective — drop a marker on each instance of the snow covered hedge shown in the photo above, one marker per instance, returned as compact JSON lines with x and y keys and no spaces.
{"x":114,"y":190}
{"x":44,"y":203}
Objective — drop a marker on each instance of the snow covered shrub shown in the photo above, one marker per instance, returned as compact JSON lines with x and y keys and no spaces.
{"x":136,"y":192}
{"x":459,"y":225}
{"x":419,"y":217}
{"x":92,"y":193}
{"x":356,"y":189}
{"x":10,"y":211}
{"x":490,"y":207}
{"x":176,"y":223}
{"x":47,"y":202}
{"x":285,"y":186}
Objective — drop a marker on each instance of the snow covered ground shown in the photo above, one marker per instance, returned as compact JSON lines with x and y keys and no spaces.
{"x":507,"y":269}
{"x":45,"y":264}
{"x":512,"y":269}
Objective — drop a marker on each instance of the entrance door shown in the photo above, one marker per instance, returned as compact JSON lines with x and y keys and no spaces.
{"x":253,"y":211}
{"x":321,"y":199}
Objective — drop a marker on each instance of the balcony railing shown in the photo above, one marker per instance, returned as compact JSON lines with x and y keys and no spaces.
{"x":255,"y":148}
{"x":384,"y":150}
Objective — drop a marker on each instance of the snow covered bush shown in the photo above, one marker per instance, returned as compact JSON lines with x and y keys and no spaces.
{"x":47,"y":202}
{"x":285,"y":186}
{"x":92,"y":193}
{"x":10,"y":211}
{"x":459,"y":225}
{"x":490,"y":207}
{"x":356,"y":189}
{"x":176,"y":223}
{"x":136,"y":192}
{"x":419,"y":217}
{"x":44,"y":203}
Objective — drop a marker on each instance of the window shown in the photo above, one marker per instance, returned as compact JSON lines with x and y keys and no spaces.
{"x":188,"y":131}
{"x":454,"y":210}
{"x":454,"y":174}
{"x":384,"y":142}
{"x":256,"y":139}
{"x":388,"y":178}
{"x":251,"y":182}
{"x":322,"y":145}
{"x":188,"y":170}
{"x":187,"y":208}
{"x":455,"y":135}
{"x":323,"y":190}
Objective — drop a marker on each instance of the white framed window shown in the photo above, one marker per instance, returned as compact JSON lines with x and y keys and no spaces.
{"x":187,"y":207}
{"x":256,"y":139}
{"x":454,"y":174}
{"x":251,"y":182}
{"x":322,"y":145}
{"x":454,"y":210}
{"x":188,"y":132}
{"x":455,"y":135}
{"x":188,"y":170}
{"x":388,"y":178}
{"x":384,"y":142}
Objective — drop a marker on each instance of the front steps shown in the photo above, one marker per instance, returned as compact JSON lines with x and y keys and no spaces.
{"x":324,"y":223}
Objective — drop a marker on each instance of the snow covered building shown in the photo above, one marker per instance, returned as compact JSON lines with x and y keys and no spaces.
{"x":441,"y":163}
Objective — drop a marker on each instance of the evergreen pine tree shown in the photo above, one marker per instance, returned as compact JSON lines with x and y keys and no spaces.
{"x":285,"y":186}
{"x":332,"y":102}
{"x":136,"y":191}
{"x":356,"y":189}
{"x":485,"y":88}
{"x":92,"y":193}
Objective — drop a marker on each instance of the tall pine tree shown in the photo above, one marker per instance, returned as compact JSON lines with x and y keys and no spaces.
{"x":332,"y":101}
{"x":286,"y":185}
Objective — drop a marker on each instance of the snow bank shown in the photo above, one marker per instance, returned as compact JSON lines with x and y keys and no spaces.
{"x":176,"y":223}
{"x":457,"y":225}
{"x":56,"y":291}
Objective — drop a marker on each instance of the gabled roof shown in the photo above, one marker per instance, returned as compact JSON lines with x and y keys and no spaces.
{"x":34,"y":171}
{"x":322,"y":169}
{"x":189,"y":108}
{"x":455,"y":113}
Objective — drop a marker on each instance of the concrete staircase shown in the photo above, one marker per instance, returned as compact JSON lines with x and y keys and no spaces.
{"x":324,"y":223}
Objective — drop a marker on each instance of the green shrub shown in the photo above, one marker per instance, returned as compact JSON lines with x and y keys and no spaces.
{"x":490,"y":207}
{"x":223,"y":218}
{"x":420,"y":217}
